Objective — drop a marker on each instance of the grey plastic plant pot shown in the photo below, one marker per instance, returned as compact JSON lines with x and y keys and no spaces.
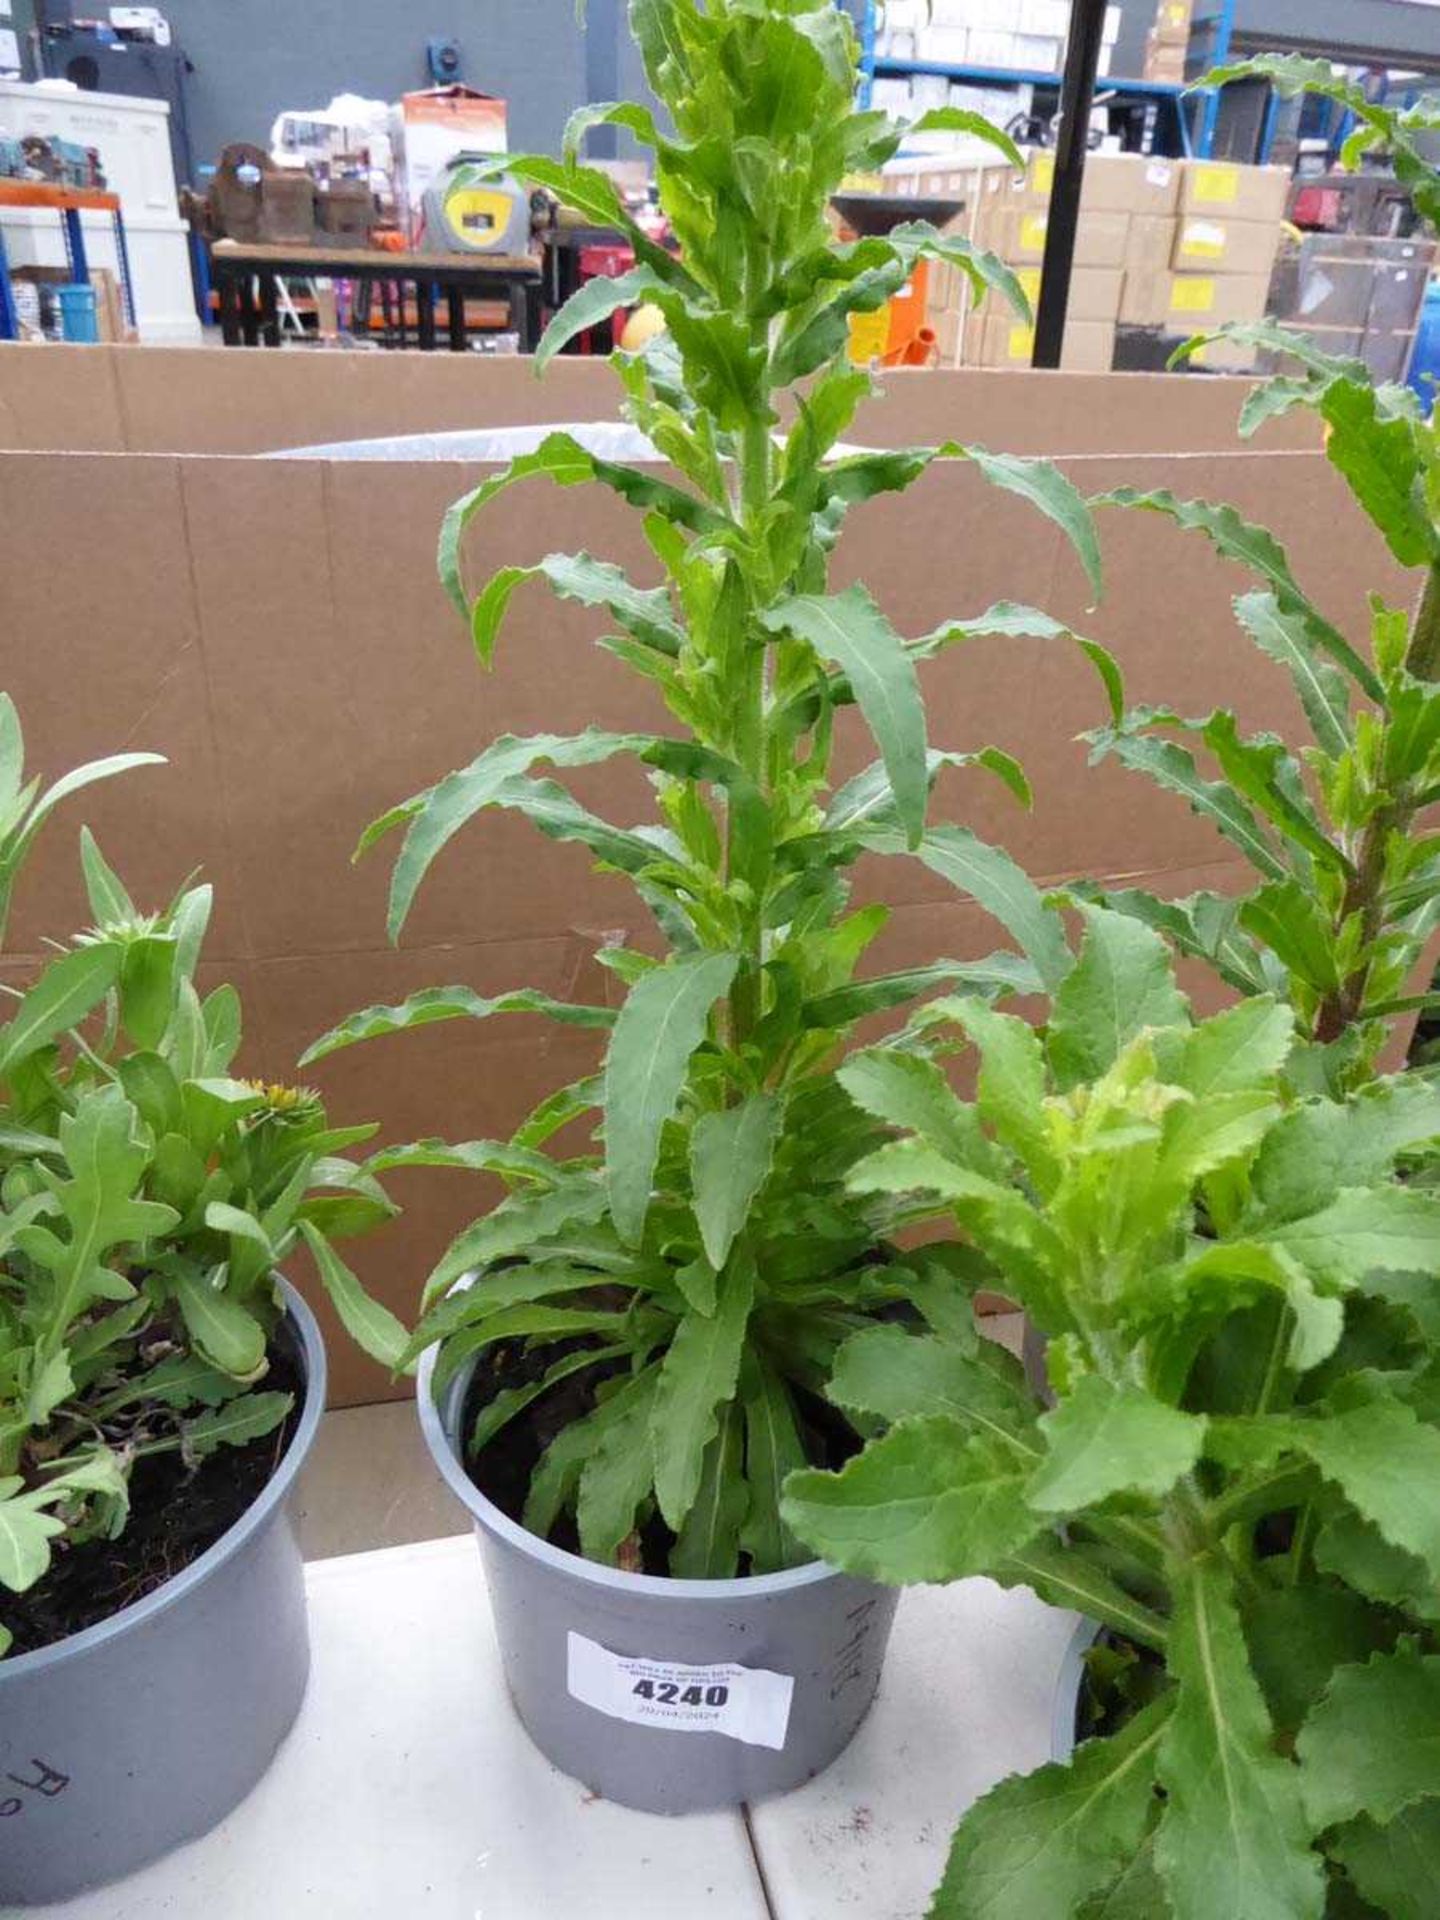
{"x":1067,"y":1689}
{"x":143,"y":1731}
{"x":823,"y":1631}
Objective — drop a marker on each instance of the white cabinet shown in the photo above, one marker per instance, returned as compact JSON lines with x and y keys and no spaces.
{"x":132,"y":137}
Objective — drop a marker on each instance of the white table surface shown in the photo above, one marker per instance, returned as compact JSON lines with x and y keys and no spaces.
{"x":408,"y":1791}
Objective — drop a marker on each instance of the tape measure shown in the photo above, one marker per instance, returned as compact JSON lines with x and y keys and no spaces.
{"x":466,"y":215}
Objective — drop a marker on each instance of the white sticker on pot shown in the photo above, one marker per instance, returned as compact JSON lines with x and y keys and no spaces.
{"x":744,"y":1703}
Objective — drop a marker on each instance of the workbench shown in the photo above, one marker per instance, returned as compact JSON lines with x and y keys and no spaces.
{"x":408,"y":1791}
{"x":246,"y":277}
{"x":69,"y":203}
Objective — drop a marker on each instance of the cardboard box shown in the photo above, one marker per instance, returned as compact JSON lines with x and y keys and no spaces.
{"x":1223,"y":189}
{"x":1196,"y":301}
{"x":1018,"y":236}
{"x":995,"y":341}
{"x":1164,"y":63}
{"x":1094,"y":293}
{"x":1172,"y":22}
{"x":429,"y":129}
{"x":1133,"y":183}
{"x":1208,"y":245}
{"x":214,"y":557}
{"x":1150,"y":243}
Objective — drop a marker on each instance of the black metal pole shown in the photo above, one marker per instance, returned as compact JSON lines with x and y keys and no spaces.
{"x":1077,"y":95}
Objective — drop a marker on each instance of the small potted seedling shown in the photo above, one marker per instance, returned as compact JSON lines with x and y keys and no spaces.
{"x":1233,"y":1474}
{"x":636,"y":1360}
{"x":160,"y":1385}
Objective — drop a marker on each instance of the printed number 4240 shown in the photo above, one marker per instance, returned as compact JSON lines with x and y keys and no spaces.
{"x":669,"y":1693}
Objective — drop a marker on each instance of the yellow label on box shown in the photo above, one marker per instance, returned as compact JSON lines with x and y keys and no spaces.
{"x":1020,"y":344}
{"x":1032,"y":232}
{"x":1176,"y":14}
{"x":1029,"y":278}
{"x":1202,"y":240}
{"x":1042,"y":172}
{"x":1192,"y":294}
{"x":1217,"y":183}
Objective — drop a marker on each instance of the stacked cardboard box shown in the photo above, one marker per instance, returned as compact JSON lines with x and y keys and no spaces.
{"x":1012,"y":220}
{"x":1168,"y":42}
{"x":1356,"y":294}
{"x":1207,"y":260}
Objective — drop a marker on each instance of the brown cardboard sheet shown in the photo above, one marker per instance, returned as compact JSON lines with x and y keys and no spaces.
{"x":275,"y":628}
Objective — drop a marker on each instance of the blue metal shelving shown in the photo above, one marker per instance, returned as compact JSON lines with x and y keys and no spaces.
{"x":1198,"y":142}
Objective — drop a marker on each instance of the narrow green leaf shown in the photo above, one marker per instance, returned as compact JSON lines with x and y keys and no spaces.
{"x":617,"y":1476}
{"x":373,"y":1327}
{"x":109,"y":902}
{"x":66,"y":991}
{"x":698,"y":1375}
{"x":249,"y":1416}
{"x":708,"y":1545}
{"x":850,"y":630}
{"x":730,"y":1156}
{"x":995,"y":881}
{"x":430,"y":1004}
{"x":661,"y":1024}
{"x":223,"y":1331}
{"x":773,"y":1449}
{"x":1288,"y":639}
{"x":1234,"y":1837}
{"x":1045,"y":487}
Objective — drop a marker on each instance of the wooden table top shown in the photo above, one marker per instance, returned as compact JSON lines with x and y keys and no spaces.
{"x":373,"y":260}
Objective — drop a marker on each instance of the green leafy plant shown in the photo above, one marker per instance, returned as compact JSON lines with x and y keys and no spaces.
{"x":1234,"y":1472}
{"x":701,"y":1267}
{"x":147,"y":1199}
{"x":1349,"y":892}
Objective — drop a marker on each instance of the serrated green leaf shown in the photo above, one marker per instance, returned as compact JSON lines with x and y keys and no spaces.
{"x":1322,"y":1146}
{"x":1011,"y":1086}
{"x":1382,"y":465}
{"x":730,"y":1156}
{"x":1372,"y":1745}
{"x":1104,"y":1439}
{"x":930,"y":1500}
{"x":249,"y":1416}
{"x":1253,"y":547}
{"x":1287,"y":638}
{"x":1038,"y":1844}
{"x":1122,"y":983}
{"x":659,"y":1028}
{"x":431,"y":1004}
{"x":1386,"y":1461}
{"x":1242,"y":1048}
{"x":907,"y":1091}
{"x":1173,"y":767}
{"x":520,"y":1224}
{"x":892,"y":1373}
{"x":1363,"y":1230}
{"x":1234,"y":1837}
{"x":1396,"y":1866}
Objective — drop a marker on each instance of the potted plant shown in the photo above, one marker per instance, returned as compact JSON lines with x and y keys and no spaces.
{"x":618,"y":1394}
{"x":1235,"y":1474}
{"x":153,"y":1645}
{"x":1348,"y":899}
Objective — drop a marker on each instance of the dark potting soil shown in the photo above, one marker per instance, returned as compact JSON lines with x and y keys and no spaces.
{"x":176,"y":1513}
{"x":502,"y":1470}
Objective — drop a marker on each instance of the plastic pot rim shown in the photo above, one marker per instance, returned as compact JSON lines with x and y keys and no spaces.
{"x":141,"y":1612}
{"x":444,"y":1452}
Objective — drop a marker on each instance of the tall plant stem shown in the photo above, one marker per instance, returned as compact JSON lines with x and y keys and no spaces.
{"x":1364,"y":893}
{"x":749,"y":712}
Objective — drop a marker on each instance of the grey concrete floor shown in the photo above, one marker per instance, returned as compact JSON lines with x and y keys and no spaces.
{"x":370,"y":1482}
